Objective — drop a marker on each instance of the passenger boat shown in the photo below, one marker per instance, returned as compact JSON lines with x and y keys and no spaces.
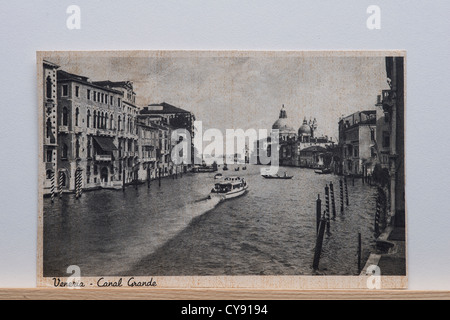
{"x":218,"y":176}
{"x":230,"y":187}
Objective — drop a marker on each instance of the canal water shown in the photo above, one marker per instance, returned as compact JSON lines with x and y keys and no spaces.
{"x":174,"y":230}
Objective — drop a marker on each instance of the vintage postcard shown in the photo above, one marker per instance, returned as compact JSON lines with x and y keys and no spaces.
{"x":222,"y":169}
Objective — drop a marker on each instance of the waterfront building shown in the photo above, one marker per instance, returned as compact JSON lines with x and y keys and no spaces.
{"x":390,"y":173}
{"x":357,"y":134}
{"x":292,"y":142}
{"x":148,"y":143}
{"x":89,"y":121}
{"x":314,"y":157}
{"x":127,"y":135}
{"x":50,"y":134}
{"x":167,"y":118}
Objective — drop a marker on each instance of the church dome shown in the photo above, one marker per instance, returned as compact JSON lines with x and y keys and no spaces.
{"x":305,"y":129}
{"x":282,"y":123}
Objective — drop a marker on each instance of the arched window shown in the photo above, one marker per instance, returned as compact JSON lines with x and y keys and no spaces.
{"x":111,"y":125}
{"x":118,"y":124}
{"x":49,"y":86}
{"x":65,"y":117}
{"x":94,"y":124}
{"x":88,"y":120}
{"x":106,"y":121}
{"x":99,"y":123}
{"x":77,"y":116}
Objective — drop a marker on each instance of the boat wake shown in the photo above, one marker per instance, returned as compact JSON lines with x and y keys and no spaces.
{"x":169,"y":227}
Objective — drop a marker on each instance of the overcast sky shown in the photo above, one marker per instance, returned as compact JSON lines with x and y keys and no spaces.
{"x":246,"y":90}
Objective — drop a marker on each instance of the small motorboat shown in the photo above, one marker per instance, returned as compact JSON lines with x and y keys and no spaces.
{"x":236,"y":169}
{"x":244,"y":168}
{"x":323,"y":171}
{"x":218,"y":176}
{"x":230,"y":187}
{"x":268,"y":176}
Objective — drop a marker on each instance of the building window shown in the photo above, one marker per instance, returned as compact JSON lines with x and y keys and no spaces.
{"x":65,"y":117}
{"x":77,"y":148}
{"x":89,"y":94}
{"x":106,"y":121}
{"x":94,"y":124}
{"x":77,"y":116}
{"x":49,"y":155}
{"x":356,"y":152}
{"x":386,"y":139}
{"x":49,"y":174}
{"x":95,"y":96}
{"x":65,"y":90}
{"x":111,"y":100}
{"x":111,"y":125}
{"x":118,"y":102}
{"x":77,"y":91}
{"x":118,"y":124}
{"x":88,"y":118}
{"x":101,"y":97}
{"x":88,"y":147}
{"x":49,"y":86}
{"x":64,"y":151}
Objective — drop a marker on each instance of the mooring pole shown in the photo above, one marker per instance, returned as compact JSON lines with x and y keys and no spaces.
{"x":318,"y":212}
{"x":123,"y":180}
{"x":319,"y":242}
{"x":359,"y":252}
{"x":333,"y":205}
{"x":342,"y":195}
{"x":346,"y":191}
{"x":327,"y":206}
{"x":159,"y":179}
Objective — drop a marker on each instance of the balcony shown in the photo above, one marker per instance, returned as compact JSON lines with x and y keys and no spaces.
{"x":77,"y":129}
{"x":103,"y":157}
{"x":63,"y":129}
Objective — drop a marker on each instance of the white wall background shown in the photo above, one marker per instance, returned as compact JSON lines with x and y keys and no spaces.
{"x":420,"y":27}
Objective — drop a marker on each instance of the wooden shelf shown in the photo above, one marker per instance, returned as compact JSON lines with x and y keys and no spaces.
{"x":216,"y":294}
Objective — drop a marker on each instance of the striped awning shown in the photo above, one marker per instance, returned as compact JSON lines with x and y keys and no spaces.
{"x":105,"y":143}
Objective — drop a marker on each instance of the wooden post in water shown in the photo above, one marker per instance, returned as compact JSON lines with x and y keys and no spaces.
{"x":359,"y":252}
{"x":327,"y":206}
{"x":123,"y":180}
{"x":319,"y":242}
{"x":318,"y":212}
{"x":342,"y":195}
{"x":159,"y":179}
{"x":377,"y":216}
{"x":346,"y":191}
{"x":148,"y":177}
{"x":333,"y":204}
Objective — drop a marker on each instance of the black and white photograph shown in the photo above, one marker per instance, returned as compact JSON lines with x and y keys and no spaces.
{"x":228,"y":169}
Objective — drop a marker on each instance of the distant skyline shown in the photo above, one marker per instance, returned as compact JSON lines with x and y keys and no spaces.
{"x":231,"y":92}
